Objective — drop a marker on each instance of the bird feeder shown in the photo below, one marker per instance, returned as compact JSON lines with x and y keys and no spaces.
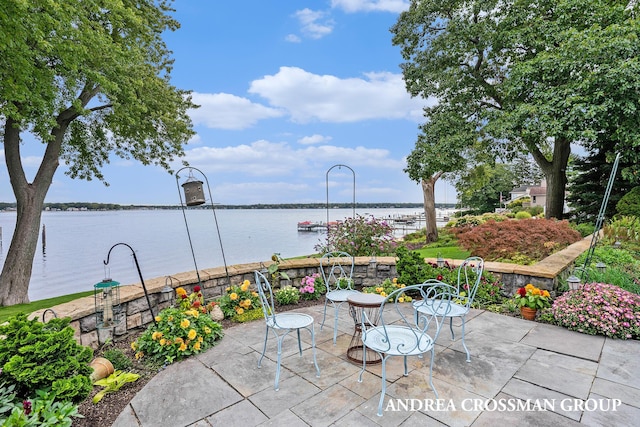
{"x":193,"y":192}
{"x":106,"y":296}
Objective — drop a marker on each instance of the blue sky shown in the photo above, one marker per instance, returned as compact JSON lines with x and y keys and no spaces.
{"x":287,"y":90}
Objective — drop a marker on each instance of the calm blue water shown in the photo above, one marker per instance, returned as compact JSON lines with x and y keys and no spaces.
{"x":78,"y":242}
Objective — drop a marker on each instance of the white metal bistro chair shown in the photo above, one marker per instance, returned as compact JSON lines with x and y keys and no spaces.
{"x":410,"y":335}
{"x":469,"y":277}
{"x":336,"y":269}
{"x":281,"y":324}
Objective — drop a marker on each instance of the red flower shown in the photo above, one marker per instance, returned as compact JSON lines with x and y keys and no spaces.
{"x":439,"y":277}
{"x":27,"y":407}
{"x":522,"y":292}
{"x":196,"y":288}
{"x":183,"y":296}
{"x":196,"y":304}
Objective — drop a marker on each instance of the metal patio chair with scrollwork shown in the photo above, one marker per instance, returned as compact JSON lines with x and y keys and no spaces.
{"x":336,"y":269}
{"x":281,"y":325}
{"x":469,"y":277}
{"x":410,"y":335}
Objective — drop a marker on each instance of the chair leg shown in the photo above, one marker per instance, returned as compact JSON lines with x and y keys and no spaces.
{"x":406,"y":367}
{"x":384,"y":384}
{"x":451,"y":327}
{"x":299,"y":343}
{"x":464,"y":344}
{"x":313,"y":350}
{"x":433,"y":355}
{"x":324,"y":316}
{"x":276,"y":386}
{"x":264,"y":348}
{"x":364,"y":362}
{"x":335,"y":324}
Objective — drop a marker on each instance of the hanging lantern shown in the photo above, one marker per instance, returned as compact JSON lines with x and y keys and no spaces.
{"x":193,"y":193}
{"x":106,"y":296}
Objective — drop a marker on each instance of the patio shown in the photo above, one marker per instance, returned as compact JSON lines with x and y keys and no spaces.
{"x":550,"y":370}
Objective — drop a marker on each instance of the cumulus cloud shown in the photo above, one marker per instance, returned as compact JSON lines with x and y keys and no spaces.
{"x":226,"y":111}
{"x":314,"y":139}
{"x":314,"y":24}
{"x":352,"y":6}
{"x":311,"y":97}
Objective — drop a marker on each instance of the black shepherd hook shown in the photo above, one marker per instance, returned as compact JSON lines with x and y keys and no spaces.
{"x":144,"y":287}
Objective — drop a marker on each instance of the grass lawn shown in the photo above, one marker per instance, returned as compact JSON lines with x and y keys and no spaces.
{"x":451,"y":252}
{"x":7,"y":312}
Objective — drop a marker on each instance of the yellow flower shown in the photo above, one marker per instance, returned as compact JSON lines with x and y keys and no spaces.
{"x":207,"y":330}
{"x":239,"y":310}
{"x":156,"y":335}
{"x":134,"y":346}
{"x":233,"y":296}
{"x":192,"y":334}
{"x":183,"y":347}
{"x":245,"y":286}
{"x":139,"y":355}
{"x":185,"y":323}
{"x":200,"y":339}
{"x":163,"y":341}
{"x":536,"y":291}
{"x":384,"y":294}
{"x":254,"y":293}
{"x":180,"y":292}
{"x":401,"y":299}
{"x":196,"y":346}
{"x":178,"y":340}
{"x":247,"y":303}
{"x":228,"y":289}
{"x":395,"y":280}
{"x":546,"y":294}
{"x":158,"y":318}
{"x":529,"y":287}
{"x":379,"y":289}
{"x":170,"y":318}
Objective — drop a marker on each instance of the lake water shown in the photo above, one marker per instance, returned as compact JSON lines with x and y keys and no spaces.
{"x":78,"y":242}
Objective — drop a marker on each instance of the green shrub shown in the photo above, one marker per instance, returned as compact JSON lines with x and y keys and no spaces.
{"x":360,"y":236}
{"x":176,"y":335}
{"x":36,"y":356}
{"x":585,"y":229}
{"x":523,"y":215}
{"x":624,"y":229}
{"x":287,"y":295}
{"x":629,"y":204}
{"x":535,"y":210}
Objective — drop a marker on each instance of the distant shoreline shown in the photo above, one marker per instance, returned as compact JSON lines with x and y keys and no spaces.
{"x":88,"y":206}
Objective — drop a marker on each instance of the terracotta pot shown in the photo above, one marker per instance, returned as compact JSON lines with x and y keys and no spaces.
{"x":528,"y":313}
{"x":102,"y":368}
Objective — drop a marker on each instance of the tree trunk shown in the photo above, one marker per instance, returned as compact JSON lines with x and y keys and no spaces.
{"x":556,"y":175}
{"x":16,"y":272}
{"x":428,"y":194}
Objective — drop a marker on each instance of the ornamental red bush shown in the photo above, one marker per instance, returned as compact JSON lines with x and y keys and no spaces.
{"x":532,"y":239}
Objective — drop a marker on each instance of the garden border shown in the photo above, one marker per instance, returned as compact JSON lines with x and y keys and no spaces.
{"x":213,"y":281}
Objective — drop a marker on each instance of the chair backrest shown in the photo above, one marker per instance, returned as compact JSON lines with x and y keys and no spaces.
{"x":469,"y":277}
{"x":336,"y":269}
{"x":266,"y":297}
{"x":424,"y":326}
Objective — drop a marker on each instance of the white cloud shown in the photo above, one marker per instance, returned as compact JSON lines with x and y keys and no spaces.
{"x":314,"y":139}
{"x":352,"y":6}
{"x":326,"y":98}
{"x":225,"y":111}
{"x":314,"y":24}
{"x":293,"y":38}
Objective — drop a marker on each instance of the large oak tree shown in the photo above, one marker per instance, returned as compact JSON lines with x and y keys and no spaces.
{"x":88,"y":80}
{"x":530,"y":76}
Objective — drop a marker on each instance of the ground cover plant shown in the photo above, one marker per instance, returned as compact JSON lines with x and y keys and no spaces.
{"x":599,"y":309}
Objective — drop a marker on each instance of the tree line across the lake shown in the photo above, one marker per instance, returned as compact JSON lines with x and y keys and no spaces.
{"x":112,"y":206}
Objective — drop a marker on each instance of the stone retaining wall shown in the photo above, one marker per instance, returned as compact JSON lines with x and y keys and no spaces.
{"x":367,"y":272}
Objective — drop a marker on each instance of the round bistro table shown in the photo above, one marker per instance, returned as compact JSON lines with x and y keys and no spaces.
{"x":359,"y":303}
